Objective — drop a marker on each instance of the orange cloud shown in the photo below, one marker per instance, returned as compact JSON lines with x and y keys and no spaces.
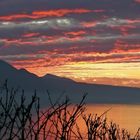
{"x":133,"y":20}
{"x":76,"y":33}
{"x":30,"y":35}
{"x":89,"y":24}
{"x":17,"y":16}
{"x":51,"y":63}
{"x":49,"y":13}
{"x":122,"y":46}
{"x":138,"y":1}
{"x":124,"y":29}
{"x":18,"y":42}
{"x":62,"y":12}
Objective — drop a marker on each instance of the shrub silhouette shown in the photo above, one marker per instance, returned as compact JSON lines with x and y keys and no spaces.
{"x":21,"y":120}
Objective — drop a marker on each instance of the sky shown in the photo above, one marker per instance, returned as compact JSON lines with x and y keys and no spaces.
{"x":95,"y":41}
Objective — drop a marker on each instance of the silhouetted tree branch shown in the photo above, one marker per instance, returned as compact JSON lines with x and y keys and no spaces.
{"x":21,"y":120}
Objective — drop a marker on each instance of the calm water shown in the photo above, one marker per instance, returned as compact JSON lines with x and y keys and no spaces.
{"x":127,"y":116}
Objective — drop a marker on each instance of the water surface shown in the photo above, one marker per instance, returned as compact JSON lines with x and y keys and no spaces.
{"x":127,"y":116}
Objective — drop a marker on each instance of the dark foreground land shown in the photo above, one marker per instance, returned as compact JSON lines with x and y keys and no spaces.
{"x":25,"y":120}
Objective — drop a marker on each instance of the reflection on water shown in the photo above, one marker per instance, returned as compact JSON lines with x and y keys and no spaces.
{"x":127,"y":116}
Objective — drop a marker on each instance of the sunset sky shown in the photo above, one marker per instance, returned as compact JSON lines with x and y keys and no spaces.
{"x":95,"y":41}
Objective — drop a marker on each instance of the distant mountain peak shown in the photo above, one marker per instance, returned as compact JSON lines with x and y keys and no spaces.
{"x":50,"y":76}
{"x":6,"y":66}
{"x":27,"y":72}
{"x":3,"y":63}
{"x":22,"y":69}
{"x":55,"y":77}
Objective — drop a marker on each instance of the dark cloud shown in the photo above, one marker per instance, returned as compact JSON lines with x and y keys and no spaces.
{"x":115,"y":8}
{"x":61,"y":29}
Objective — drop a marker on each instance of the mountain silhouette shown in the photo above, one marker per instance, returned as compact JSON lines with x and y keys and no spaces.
{"x":56,"y":85}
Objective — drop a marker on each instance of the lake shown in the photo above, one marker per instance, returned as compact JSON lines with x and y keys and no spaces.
{"x":126,"y":116}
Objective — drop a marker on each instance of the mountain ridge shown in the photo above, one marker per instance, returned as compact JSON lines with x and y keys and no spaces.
{"x":96,"y":93}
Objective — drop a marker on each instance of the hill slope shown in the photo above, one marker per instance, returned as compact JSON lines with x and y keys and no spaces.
{"x":56,"y":85}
